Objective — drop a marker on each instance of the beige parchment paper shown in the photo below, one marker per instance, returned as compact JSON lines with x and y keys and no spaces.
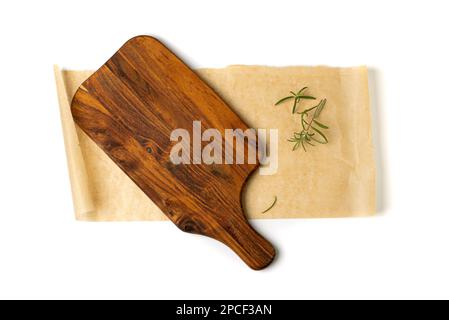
{"x":333,"y":180}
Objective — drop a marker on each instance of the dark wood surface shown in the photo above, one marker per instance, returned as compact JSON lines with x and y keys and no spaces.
{"x":130,"y":106}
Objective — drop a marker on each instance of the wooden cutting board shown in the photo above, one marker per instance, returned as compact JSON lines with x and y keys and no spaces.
{"x":131,"y":105}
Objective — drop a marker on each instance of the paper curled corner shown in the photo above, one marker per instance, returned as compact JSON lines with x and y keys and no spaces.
{"x":82,"y":198}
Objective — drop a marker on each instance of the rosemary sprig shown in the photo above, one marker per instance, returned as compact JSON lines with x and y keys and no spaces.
{"x":309,"y":123}
{"x":297,"y":96}
{"x":310,"y":131}
{"x":272,"y":205}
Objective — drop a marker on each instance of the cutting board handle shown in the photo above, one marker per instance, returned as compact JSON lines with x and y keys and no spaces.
{"x":250,"y":246}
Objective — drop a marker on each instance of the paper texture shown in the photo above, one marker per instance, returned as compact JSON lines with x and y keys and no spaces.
{"x":333,"y":180}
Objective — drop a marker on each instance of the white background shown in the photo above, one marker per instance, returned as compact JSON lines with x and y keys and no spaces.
{"x":400,"y":253}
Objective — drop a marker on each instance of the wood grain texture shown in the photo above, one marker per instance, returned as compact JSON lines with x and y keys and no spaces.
{"x":130,"y":106}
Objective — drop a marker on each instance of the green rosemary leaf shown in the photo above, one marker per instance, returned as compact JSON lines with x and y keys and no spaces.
{"x":303,"y":121}
{"x":303,"y":146}
{"x":296,"y":146}
{"x":295,"y":104}
{"x":320,"y":107}
{"x":320,"y":124}
{"x":307,"y":97}
{"x":272,"y":205}
{"x":308,"y":139}
{"x":320,"y":133}
{"x":310,"y":143}
{"x":308,"y":110}
{"x":316,"y":140}
{"x":301,"y":91}
{"x":284,"y":99}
